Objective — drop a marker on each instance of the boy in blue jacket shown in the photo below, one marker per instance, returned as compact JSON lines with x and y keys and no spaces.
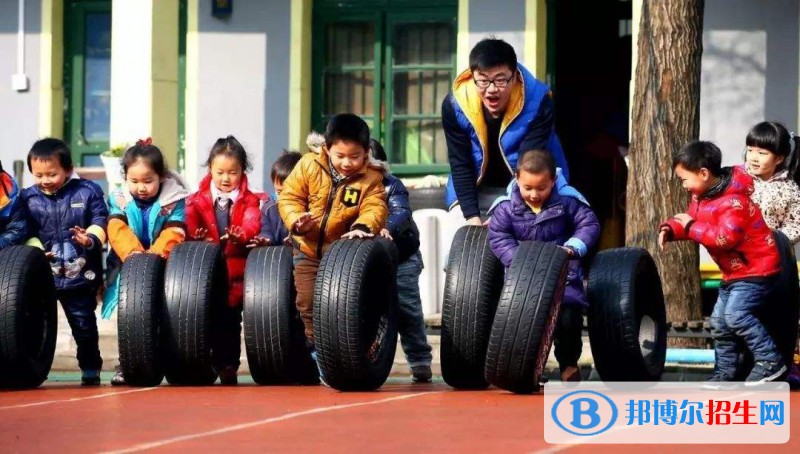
{"x":273,"y":230}
{"x":13,"y":221}
{"x":67,"y":218}
{"x":401,"y":228}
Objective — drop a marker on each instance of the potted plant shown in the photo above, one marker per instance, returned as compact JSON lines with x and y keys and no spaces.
{"x":112,"y":162}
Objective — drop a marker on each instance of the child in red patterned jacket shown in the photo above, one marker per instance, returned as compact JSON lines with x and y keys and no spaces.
{"x":224,"y":211}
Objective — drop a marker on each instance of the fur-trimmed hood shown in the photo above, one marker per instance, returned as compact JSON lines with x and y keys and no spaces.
{"x":316,"y":144}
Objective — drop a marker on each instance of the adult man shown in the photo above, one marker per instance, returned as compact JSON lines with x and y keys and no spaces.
{"x":496,"y":111}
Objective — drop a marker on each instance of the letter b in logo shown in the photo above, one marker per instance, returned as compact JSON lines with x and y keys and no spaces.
{"x":584,"y":413}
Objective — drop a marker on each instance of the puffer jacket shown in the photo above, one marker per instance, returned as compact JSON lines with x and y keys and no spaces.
{"x":729,"y":224}
{"x":357,"y":202}
{"x":400,"y":223}
{"x":78,"y":203}
{"x":563,"y":220}
{"x":245,"y":214}
{"x":13,"y":219}
{"x":779,"y":201}
{"x":165,"y":227}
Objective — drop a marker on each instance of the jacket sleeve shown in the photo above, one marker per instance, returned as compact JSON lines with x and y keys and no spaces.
{"x":399,"y":208}
{"x":727,"y":233}
{"x":587,"y":229}
{"x":501,"y":234}
{"x":99,"y":216}
{"x":293,"y":201}
{"x":192,"y":216}
{"x":462,"y":164}
{"x":791,"y":223}
{"x":120,"y":236}
{"x":16,"y":231}
{"x":173,"y":232}
{"x":373,"y":211}
{"x":272,"y":226}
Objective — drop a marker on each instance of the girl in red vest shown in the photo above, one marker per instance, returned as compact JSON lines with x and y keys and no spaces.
{"x":225,"y":212}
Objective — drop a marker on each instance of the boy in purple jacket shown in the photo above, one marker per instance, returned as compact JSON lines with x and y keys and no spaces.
{"x":536,"y":212}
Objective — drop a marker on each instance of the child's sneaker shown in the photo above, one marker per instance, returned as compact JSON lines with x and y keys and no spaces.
{"x":421,"y":373}
{"x":319,"y":369}
{"x":90,"y":377}
{"x":718,"y":381}
{"x":571,"y":373}
{"x":118,"y":379}
{"x":228,"y":376}
{"x":765,"y":371}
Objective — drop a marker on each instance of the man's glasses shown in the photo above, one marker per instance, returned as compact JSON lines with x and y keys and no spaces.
{"x":500,"y":82}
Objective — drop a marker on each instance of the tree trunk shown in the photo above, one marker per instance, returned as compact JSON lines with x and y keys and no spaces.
{"x":666,"y":110}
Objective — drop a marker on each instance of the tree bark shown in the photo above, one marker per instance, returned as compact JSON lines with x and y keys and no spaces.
{"x":666,"y":110}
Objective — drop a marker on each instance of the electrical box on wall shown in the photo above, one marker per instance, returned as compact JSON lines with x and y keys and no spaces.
{"x":19,"y":82}
{"x":221,"y":8}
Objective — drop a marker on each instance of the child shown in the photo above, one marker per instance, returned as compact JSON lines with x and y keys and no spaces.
{"x":147,"y":217}
{"x":771,"y":158}
{"x":13,"y":220}
{"x":536,"y":211}
{"x":722,"y":218}
{"x":401,"y":228}
{"x":334,"y":192}
{"x":67,"y":218}
{"x":225,"y":212}
{"x":272,"y":229}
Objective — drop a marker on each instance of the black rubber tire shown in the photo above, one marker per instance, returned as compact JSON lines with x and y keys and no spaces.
{"x":141,"y":304}
{"x":522,"y":332}
{"x":273,"y":331}
{"x":627,"y":316}
{"x":473,"y":281}
{"x":421,"y":198}
{"x":355,"y":329}
{"x":195,"y":286}
{"x":28,"y":317}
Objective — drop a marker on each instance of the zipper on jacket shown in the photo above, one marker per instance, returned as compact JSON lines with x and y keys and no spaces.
{"x":324,"y":223}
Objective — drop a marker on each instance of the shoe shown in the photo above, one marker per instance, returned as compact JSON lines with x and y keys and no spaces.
{"x":765,"y":371}
{"x":90,"y":377}
{"x":719,"y":381}
{"x":421,"y":373}
{"x":118,"y":379}
{"x":228,"y":376}
{"x":571,"y":373}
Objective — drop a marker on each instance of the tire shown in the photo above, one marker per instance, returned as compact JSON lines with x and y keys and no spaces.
{"x":522,"y":332}
{"x":473,"y":280}
{"x":421,"y":198}
{"x":627,"y":316}
{"x":273,"y":331}
{"x":28,"y":317}
{"x":141,"y":304}
{"x":354,"y":318}
{"x":195,"y":282}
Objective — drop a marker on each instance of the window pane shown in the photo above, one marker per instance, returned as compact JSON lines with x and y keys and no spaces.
{"x":97,"y":78}
{"x":350,"y":43}
{"x":423,"y":43}
{"x":418,"y":142}
{"x":349,"y":92}
{"x":420,"y":92}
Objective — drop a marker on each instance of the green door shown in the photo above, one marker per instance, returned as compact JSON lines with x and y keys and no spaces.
{"x":87,"y":79}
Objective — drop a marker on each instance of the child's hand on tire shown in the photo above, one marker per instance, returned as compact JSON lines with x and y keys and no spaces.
{"x":385,"y":233}
{"x":259,"y":241}
{"x":235,"y":234}
{"x":353,"y":234}
{"x":303,"y":224}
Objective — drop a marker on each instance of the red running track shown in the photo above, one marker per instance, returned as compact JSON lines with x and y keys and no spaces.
{"x":398,"y":418}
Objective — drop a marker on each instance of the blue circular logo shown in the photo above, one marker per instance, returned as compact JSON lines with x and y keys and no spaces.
{"x":586,"y":412}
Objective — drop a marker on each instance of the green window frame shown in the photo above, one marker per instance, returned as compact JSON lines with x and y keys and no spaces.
{"x":84,"y":148}
{"x":409,"y":73}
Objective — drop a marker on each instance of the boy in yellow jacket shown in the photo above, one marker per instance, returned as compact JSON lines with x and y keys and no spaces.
{"x":334,"y":192}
